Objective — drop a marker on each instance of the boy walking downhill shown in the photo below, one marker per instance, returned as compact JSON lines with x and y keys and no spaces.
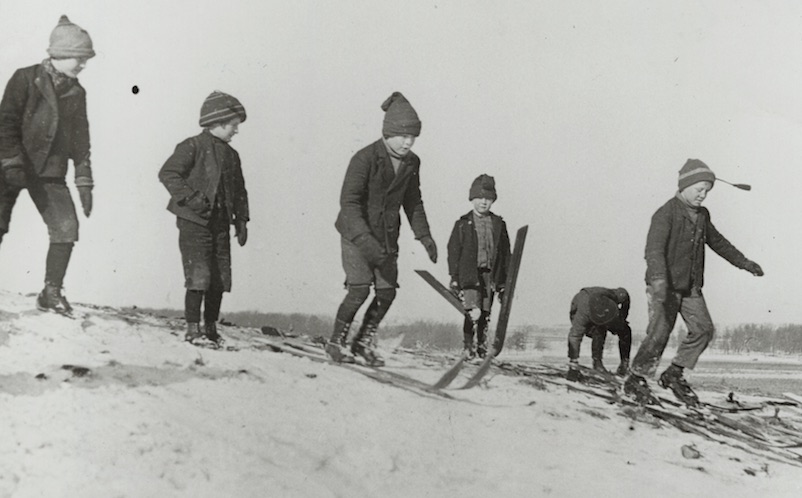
{"x":675,"y":264}
{"x":478,"y":259}
{"x":43,"y":125}
{"x":380,"y":180}
{"x":594,"y":312}
{"x":207,"y":195}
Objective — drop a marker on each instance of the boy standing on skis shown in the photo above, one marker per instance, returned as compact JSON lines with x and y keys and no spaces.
{"x":594,"y":312}
{"x":43,"y":125}
{"x":381,"y":178}
{"x":207,"y":195}
{"x":675,"y":263}
{"x":478,"y":259}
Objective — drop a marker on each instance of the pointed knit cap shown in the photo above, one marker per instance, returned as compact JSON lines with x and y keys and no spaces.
{"x":220,"y":107}
{"x":695,"y":171}
{"x":399,"y":117}
{"x":483,"y":187}
{"x":68,"y":40}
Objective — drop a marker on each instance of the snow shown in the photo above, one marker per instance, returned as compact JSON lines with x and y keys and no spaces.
{"x":158,"y":417}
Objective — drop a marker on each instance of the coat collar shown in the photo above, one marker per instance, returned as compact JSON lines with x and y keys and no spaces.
{"x":45,"y":86}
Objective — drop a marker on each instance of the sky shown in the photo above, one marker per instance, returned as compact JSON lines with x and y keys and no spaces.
{"x":583,"y":112}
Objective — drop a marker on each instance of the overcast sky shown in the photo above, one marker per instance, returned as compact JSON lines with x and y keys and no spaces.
{"x":582,"y":111}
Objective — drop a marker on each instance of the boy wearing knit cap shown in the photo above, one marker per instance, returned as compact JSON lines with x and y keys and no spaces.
{"x":207,"y":195}
{"x":675,"y":263}
{"x":43,"y":125}
{"x":594,"y":312}
{"x":478,"y":259}
{"x":381,"y":179}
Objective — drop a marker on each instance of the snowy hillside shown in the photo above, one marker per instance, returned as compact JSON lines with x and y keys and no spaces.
{"x":113,"y":403}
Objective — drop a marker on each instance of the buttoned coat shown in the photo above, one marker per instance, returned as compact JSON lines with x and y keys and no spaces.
{"x":373,"y":194}
{"x":675,"y":246}
{"x":194,"y":167}
{"x":463,"y":248}
{"x":31,"y":115}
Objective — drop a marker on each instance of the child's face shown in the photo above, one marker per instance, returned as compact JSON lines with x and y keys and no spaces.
{"x":70,"y":67}
{"x":226,"y":131}
{"x":482,"y":205}
{"x":696,"y":193}
{"x":401,"y":144}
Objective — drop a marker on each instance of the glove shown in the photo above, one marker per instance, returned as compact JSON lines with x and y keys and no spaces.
{"x":454,"y":287}
{"x":500,"y":293}
{"x":474,"y":314}
{"x":199,"y":204}
{"x":431,"y":247}
{"x":14,"y":171}
{"x":241,"y":230}
{"x":15,"y":176}
{"x":85,"y":193}
{"x":370,"y":249}
{"x":753,"y":268}
{"x":659,"y":289}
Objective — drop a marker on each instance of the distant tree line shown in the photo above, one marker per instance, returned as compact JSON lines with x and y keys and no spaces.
{"x":746,"y":338}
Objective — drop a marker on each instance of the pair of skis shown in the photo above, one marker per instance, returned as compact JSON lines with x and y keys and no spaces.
{"x":503,"y":318}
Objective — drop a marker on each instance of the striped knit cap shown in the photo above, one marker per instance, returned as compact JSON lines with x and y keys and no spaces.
{"x":220,"y":107}
{"x":399,"y":117}
{"x":68,"y":40}
{"x":695,"y":171}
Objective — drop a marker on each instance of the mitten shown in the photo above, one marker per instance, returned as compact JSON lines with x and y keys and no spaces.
{"x":753,"y":268}
{"x":454,"y":286}
{"x":242,"y":232}
{"x":431,"y":247}
{"x":370,"y":249}
{"x":14,"y":171}
{"x":85,"y":193}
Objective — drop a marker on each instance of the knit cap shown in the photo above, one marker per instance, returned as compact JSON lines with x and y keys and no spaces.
{"x":483,"y":187}
{"x":603,"y":310}
{"x":221,"y":107}
{"x":68,"y":40}
{"x":399,"y":117}
{"x":695,"y":171}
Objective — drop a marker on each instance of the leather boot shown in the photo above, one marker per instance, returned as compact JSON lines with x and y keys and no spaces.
{"x":212,"y":334}
{"x":337,"y":348}
{"x":193,"y":332}
{"x":51,"y":299}
{"x":364,"y":345}
{"x":598,"y":365}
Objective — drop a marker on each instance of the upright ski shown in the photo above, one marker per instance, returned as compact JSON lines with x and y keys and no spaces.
{"x":506,"y":305}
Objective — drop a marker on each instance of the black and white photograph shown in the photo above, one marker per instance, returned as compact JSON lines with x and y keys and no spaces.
{"x":428,"y":248}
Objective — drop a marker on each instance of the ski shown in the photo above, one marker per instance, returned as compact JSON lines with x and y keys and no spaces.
{"x":506,"y":305}
{"x":442,"y":290}
{"x":454,"y":301}
{"x":316,"y":354}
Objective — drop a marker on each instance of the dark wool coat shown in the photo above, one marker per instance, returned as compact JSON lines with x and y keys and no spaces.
{"x":199,"y":164}
{"x":675,"y":246}
{"x":463,"y":247}
{"x":373,"y":194}
{"x":33,"y":119}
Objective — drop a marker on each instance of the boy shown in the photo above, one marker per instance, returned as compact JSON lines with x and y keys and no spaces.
{"x":478,"y":258}
{"x":207,"y":195}
{"x":381,"y":178}
{"x":594,"y":312}
{"x":43,"y":124}
{"x":675,"y":263}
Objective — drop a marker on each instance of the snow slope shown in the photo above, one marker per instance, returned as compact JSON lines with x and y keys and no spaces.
{"x":149,"y":415}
